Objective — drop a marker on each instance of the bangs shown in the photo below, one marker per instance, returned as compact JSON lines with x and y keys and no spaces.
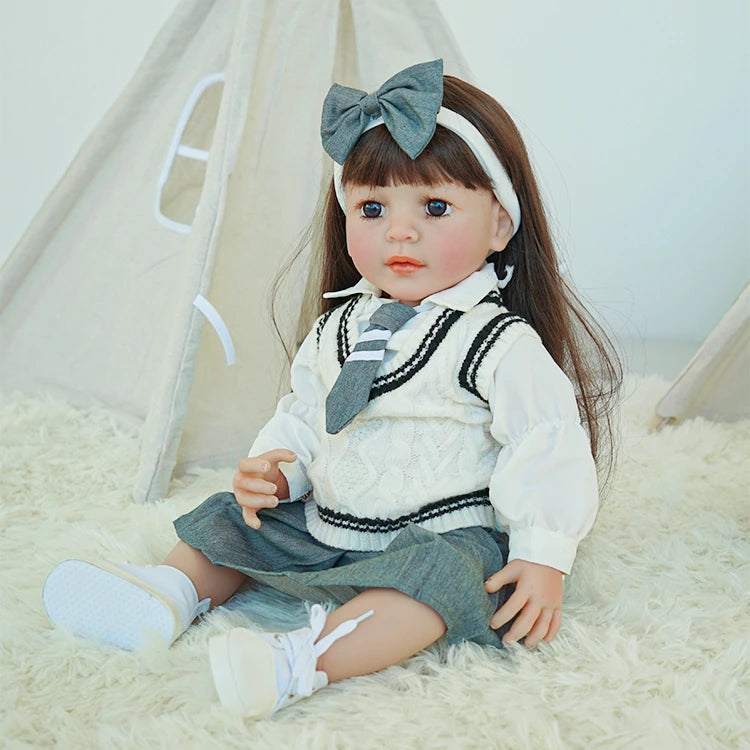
{"x":376,"y":161}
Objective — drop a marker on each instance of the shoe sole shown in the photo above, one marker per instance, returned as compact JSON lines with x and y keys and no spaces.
{"x":105,"y":603}
{"x":243,"y":666}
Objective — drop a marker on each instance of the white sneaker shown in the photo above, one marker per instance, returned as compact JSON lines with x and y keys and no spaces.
{"x":256,"y":674}
{"x":119,"y":604}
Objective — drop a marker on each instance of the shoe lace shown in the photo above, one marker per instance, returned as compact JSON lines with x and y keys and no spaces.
{"x":303,"y":651}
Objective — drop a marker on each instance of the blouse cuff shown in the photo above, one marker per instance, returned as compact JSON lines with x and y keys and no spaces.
{"x":300,"y":487}
{"x":544,"y":547}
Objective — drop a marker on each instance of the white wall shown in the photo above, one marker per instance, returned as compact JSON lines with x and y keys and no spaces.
{"x":61,"y":66}
{"x":636,"y":116}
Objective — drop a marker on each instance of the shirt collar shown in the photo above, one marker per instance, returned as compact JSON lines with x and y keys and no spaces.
{"x":462,"y":296}
{"x":363,"y":286}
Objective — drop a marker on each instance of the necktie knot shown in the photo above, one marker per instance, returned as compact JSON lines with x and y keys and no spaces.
{"x":391,"y":315}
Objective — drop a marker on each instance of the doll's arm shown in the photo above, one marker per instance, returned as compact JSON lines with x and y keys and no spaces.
{"x":293,"y":425}
{"x":544,"y":488}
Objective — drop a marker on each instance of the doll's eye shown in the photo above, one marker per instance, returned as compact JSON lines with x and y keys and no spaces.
{"x":372,"y":209}
{"x":438,"y":208}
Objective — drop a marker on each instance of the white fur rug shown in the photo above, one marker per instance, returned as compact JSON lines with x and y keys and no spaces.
{"x":653,"y":651}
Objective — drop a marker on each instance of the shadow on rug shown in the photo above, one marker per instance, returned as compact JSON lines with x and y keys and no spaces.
{"x":653,"y":649}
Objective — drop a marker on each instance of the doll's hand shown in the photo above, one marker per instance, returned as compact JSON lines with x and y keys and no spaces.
{"x":538,"y":599}
{"x":259,"y":483}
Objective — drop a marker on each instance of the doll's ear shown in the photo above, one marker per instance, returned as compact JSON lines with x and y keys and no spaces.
{"x":502,"y":228}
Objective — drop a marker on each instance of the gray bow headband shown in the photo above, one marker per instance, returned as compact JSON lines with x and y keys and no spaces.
{"x":408,"y":103}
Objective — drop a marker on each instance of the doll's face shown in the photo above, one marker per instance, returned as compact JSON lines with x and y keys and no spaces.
{"x":414,"y":240}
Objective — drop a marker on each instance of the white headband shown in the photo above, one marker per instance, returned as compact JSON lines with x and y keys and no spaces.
{"x":501,"y":184}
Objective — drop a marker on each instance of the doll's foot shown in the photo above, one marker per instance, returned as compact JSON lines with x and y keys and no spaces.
{"x":120,"y":604}
{"x":256,"y":674}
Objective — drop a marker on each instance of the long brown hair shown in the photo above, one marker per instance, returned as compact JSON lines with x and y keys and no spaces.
{"x":537,"y":290}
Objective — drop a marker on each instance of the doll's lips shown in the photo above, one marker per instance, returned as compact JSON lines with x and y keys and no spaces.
{"x":403,"y":264}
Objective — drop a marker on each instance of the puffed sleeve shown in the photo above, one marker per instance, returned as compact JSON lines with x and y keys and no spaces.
{"x":293,"y":424}
{"x":544,"y":486}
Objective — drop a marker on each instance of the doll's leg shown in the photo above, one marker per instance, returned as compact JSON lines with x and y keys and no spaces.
{"x":211,"y":581}
{"x":258,"y":673}
{"x":399,"y":628}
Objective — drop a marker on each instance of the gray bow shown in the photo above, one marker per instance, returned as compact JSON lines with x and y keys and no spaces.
{"x":408,"y":103}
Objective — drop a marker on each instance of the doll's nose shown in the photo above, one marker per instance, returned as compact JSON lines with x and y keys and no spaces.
{"x":402,"y":229}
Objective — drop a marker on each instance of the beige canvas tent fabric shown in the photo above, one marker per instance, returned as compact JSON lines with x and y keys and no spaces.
{"x":716,"y":382}
{"x":197,"y":182}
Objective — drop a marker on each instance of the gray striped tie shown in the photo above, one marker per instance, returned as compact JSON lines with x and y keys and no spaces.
{"x":351,"y":391}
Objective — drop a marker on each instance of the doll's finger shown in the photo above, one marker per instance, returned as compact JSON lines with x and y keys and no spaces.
{"x":250,"y":518}
{"x":507,"y":574}
{"x":496,"y":581}
{"x":253,"y":465}
{"x":259,"y":465}
{"x":540,"y":629}
{"x":522,"y":624}
{"x":279,"y":454}
{"x":508,"y":611}
{"x":554,"y":626}
{"x":256,"y":485}
{"x":252,"y":501}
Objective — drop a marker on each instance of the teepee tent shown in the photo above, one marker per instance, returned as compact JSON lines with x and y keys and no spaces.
{"x":716,"y":382}
{"x":181,"y":206}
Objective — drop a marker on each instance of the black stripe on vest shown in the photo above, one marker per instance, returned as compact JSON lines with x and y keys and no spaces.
{"x":342,"y":342}
{"x":494,"y":297}
{"x":321,"y":324}
{"x":420,"y":358}
{"x":483,"y":342}
{"x":425,"y":513}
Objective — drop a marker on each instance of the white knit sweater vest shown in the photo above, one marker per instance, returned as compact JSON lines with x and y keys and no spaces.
{"x":421,"y":451}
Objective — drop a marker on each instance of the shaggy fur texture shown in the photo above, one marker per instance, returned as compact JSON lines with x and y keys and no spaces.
{"x":653,"y":650}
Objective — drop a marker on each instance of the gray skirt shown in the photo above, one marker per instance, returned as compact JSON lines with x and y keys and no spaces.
{"x":445,"y":571}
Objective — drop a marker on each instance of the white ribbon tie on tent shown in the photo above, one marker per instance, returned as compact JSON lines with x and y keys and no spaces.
{"x":177,"y":148}
{"x":213,"y":317}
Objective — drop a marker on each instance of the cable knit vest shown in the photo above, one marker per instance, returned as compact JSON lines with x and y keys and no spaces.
{"x":421,"y":451}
